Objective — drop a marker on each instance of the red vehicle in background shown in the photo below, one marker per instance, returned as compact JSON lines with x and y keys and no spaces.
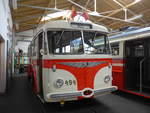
{"x":131,"y":60}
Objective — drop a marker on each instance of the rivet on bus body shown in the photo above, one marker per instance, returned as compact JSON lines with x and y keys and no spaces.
{"x":54,"y":68}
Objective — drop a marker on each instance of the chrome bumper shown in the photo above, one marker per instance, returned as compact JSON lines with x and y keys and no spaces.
{"x":80,"y":93}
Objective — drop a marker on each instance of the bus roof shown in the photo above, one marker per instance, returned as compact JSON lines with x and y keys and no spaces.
{"x":129,"y":35}
{"x":62,"y":24}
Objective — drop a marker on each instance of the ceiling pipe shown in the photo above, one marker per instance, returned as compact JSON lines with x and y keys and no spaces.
{"x":14,"y":4}
{"x":119,"y":3}
{"x":55,"y":4}
{"x":130,"y":11}
{"x":95,"y":5}
{"x":39,"y":7}
{"x":124,"y":9}
{"x":126,"y":15}
{"x":135,"y":17}
{"x":17,"y":26}
{"x":89,"y":12}
{"x":78,"y":5}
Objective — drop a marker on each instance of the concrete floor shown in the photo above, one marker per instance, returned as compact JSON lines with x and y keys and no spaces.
{"x":20,"y":99}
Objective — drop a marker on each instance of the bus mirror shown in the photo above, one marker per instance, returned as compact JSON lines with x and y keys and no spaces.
{"x":42,"y":51}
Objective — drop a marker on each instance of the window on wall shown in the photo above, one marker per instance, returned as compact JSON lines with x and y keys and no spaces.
{"x":115,"y":48}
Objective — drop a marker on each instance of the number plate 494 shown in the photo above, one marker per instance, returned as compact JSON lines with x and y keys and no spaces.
{"x":70,"y":82}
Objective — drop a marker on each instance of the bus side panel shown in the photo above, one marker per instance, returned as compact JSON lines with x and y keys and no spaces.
{"x":34,"y":76}
{"x":118,"y":73}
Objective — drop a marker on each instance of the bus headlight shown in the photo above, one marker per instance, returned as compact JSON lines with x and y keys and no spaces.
{"x":107,"y":79}
{"x":58,"y":83}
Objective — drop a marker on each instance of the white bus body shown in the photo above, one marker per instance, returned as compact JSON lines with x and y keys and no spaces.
{"x":70,"y":61}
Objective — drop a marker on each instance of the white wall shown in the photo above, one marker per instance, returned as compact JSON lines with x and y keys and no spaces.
{"x":6,"y":34}
{"x":22,"y":45}
{"x":25,"y":35}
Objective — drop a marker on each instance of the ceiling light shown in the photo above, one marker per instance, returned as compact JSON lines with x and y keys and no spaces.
{"x":54,"y":15}
{"x":136,"y":1}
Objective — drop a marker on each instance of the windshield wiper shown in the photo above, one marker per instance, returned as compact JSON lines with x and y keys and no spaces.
{"x":60,"y":38}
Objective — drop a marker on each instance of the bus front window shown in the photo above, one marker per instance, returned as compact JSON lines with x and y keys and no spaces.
{"x":65,"y":42}
{"x":72,"y":42}
{"x":96,"y":43}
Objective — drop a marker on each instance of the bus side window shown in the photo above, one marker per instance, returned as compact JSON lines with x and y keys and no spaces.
{"x":34,"y":49}
{"x":115,"y":48}
{"x":45,"y":46}
{"x":40,"y":41}
{"x":35,"y":52}
{"x":139,"y":51}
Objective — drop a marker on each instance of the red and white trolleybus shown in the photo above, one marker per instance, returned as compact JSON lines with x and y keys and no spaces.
{"x":70,"y":61}
{"x":131,"y":60}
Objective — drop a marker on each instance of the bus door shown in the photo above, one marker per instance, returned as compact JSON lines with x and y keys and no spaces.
{"x":137,"y":56}
{"x":39,"y":66}
{"x":146,"y":72}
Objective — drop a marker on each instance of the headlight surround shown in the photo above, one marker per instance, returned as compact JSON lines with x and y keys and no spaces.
{"x":107,"y":79}
{"x":58,"y":83}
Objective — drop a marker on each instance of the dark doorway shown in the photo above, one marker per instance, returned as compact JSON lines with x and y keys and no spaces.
{"x":137,"y":57}
{"x":39,"y":58}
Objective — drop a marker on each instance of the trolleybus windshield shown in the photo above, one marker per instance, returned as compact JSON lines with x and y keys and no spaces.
{"x":77,"y":42}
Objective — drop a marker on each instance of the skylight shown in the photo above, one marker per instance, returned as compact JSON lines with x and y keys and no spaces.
{"x":55,"y":15}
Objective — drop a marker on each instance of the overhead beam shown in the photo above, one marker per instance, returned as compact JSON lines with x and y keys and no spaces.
{"x":24,"y":40}
{"x":28,"y":18}
{"x":78,"y":5}
{"x":97,"y":15}
{"x":27,"y":13}
{"x":45,"y":12}
{"x":113,"y":13}
{"x":39,"y":7}
{"x":136,"y":1}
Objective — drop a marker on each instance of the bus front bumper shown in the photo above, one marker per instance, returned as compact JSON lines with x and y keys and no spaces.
{"x":70,"y":95}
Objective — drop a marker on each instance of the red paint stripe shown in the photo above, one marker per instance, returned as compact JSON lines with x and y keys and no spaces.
{"x":117,"y":69}
{"x":118,"y":73}
{"x":49,"y":63}
{"x":85,"y":76}
{"x":134,"y":93}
